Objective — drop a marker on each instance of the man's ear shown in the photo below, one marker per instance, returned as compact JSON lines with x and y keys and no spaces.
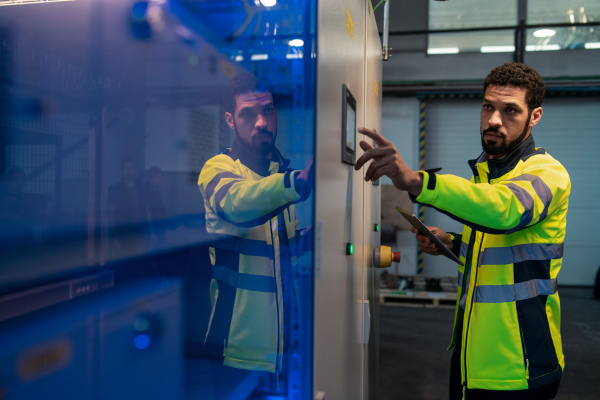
{"x":536,"y":115}
{"x":229,"y":120}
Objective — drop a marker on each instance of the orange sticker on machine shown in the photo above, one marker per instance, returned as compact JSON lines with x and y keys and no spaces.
{"x":349,"y":24}
{"x":45,"y":359}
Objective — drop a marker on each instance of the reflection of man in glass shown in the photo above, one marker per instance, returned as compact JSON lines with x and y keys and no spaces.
{"x":127,"y":213}
{"x":20,"y":211}
{"x":249,"y":195}
{"x":158,"y":220}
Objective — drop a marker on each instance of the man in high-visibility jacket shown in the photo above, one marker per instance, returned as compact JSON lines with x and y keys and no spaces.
{"x":506,"y":340}
{"x":249,"y":196}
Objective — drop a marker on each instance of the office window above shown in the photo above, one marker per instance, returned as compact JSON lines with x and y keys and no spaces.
{"x":471,"y":14}
{"x":581,"y":12}
{"x":545,"y":30}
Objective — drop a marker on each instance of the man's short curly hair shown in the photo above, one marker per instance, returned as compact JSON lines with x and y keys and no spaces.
{"x":240,"y":84}
{"x":519,"y":75}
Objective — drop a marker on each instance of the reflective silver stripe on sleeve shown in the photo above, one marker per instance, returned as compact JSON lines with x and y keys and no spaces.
{"x":460,"y":278}
{"x":527,"y":201}
{"x":522,"y":252}
{"x":516,"y":292}
{"x":541,"y":189}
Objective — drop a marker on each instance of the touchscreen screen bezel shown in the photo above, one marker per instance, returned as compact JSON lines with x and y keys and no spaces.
{"x":349,"y":102}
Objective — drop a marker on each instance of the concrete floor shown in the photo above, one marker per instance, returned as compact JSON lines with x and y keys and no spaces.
{"x":414,"y":363}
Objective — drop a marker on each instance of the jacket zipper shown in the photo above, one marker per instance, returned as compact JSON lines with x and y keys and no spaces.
{"x":471,"y":310}
{"x":524,"y":349}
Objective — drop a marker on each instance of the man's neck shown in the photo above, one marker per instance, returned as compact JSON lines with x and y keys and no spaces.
{"x":258,"y":163}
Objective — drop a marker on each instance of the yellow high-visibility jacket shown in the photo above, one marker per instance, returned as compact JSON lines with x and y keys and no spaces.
{"x":514,"y":211}
{"x":250,"y":216}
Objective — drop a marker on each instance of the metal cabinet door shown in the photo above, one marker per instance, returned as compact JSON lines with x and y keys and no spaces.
{"x":372,"y":206}
{"x":339,"y":278}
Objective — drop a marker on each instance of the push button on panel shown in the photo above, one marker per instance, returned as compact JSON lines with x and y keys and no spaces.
{"x":383,"y":256}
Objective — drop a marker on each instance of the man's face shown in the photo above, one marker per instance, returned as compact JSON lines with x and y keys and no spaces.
{"x":156,"y":180}
{"x":128,"y":171}
{"x":255,"y":121}
{"x":505,"y":119}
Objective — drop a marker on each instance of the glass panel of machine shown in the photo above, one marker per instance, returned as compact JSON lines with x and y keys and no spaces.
{"x":166,"y":139}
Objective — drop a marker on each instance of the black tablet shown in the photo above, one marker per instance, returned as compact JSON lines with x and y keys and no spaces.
{"x":416,"y":222}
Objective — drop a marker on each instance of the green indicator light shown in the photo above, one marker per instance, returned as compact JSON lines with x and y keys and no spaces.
{"x":376,"y":227}
{"x":193,"y":60}
{"x":349,"y":249}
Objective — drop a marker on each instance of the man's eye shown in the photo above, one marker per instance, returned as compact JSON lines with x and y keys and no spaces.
{"x":511,"y":110}
{"x":245,"y":114}
{"x":268,"y":111}
{"x":487,"y":107}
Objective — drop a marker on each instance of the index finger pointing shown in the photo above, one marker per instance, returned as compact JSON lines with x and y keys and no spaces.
{"x":373,"y":134}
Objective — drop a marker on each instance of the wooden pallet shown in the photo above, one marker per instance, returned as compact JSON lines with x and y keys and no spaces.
{"x":412,"y":298}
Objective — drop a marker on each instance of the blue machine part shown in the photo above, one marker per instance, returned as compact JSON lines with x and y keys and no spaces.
{"x":83,"y":349}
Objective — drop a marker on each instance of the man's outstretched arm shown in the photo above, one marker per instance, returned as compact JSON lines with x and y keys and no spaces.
{"x":387,"y":161}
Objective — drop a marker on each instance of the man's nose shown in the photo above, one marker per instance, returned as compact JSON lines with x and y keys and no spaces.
{"x":261,"y":122}
{"x":495,"y":119}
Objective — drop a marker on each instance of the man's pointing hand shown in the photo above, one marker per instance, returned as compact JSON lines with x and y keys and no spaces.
{"x":387,"y":161}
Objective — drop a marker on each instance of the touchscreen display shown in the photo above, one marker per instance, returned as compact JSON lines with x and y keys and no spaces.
{"x":348,"y":126}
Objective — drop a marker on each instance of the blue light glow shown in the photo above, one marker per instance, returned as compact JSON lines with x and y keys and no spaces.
{"x":141,"y":342}
{"x":268,"y":3}
{"x":138,"y":12}
{"x":141,"y":324}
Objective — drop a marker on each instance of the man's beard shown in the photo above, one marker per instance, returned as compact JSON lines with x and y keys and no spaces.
{"x":260,"y":149}
{"x":501,"y":146}
{"x":264,"y":148}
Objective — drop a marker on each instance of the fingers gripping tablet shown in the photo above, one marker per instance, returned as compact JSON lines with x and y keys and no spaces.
{"x":416,"y":222}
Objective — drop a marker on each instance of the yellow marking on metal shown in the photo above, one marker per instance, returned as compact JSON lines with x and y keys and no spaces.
{"x":349,"y":24}
{"x":227,"y":69}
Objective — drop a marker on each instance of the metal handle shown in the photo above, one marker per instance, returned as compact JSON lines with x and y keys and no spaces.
{"x":386,"y":30}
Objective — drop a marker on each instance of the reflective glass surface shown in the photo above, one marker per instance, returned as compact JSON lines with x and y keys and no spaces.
{"x":474,"y":14}
{"x":464,"y":42}
{"x":471,"y":14}
{"x":549,"y":39}
{"x":562,"y":11}
{"x":572,"y":11}
{"x":166,"y":139}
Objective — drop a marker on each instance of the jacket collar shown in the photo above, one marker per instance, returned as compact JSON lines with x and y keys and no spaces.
{"x":498,"y":168}
{"x":260,"y":165}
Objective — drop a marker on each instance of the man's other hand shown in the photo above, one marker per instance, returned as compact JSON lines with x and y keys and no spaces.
{"x":387,"y":161}
{"x":303,"y":181}
{"x":427,"y":246}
